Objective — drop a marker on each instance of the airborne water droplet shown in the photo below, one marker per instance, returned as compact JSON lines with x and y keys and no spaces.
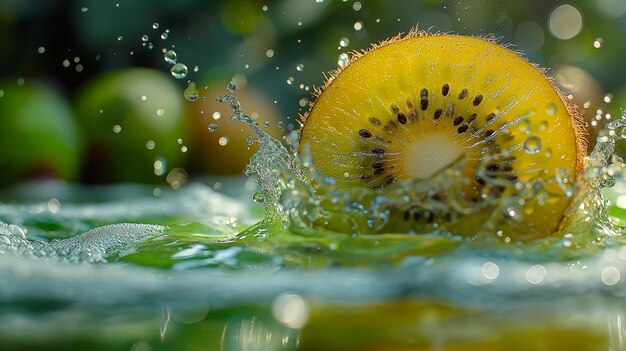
{"x":532,"y":145}
{"x":230,"y":87}
{"x":343,"y":60}
{"x":191,"y":93}
{"x":179,"y":71}
{"x":597,"y":43}
{"x":170,"y":57}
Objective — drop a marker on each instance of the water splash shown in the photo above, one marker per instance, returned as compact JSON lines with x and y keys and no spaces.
{"x":305,"y":200}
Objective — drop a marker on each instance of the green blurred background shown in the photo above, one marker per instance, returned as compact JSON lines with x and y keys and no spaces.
{"x":87,"y":96}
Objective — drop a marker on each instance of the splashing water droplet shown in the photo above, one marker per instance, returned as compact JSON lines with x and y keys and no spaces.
{"x":343,"y":60}
{"x":212,"y":127}
{"x":532,"y":145}
{"x":170,"y":57}
{"x":179,"y":71}
{"x":191,"y":93}
{"x":230,"y":87}
{"x":258,"y":197}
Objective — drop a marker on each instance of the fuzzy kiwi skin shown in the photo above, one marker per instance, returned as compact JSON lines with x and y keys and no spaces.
{"x":329,"y":130}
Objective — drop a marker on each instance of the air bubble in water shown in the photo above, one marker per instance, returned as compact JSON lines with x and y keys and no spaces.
{"x":216,"y":115}
{"x":212,"y":127}
{"x":144,"y":38}
{"x":165,"y":34}
{"x":344,"y":42}
{"x":179,"y":71}
{"x":269,"y":53}
{"x":223,"y":141}
{"x":66,"y":63}
{"x":155,"y":25}
{"x":170,"y":57}
{"x":608,"y":98}
{"x":356,"y":6}
{"x":191,"y":93}
{"x":532,"y":145}
{"x":41,"y":49}
{"x":551,"y":109}
{"x":150,"y":145}
{"x":343,"y":60}
{"x":300,"y":67}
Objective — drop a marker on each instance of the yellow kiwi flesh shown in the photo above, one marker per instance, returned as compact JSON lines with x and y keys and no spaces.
{"x":411,"y":106}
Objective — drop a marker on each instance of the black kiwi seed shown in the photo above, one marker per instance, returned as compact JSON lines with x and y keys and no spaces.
{"x":493,"y":167}
{"x":445,"y":89}
{"x":402,"y":118}
{"x":378,"y":150}
{"x":375,"y":121}
{"x":471,"y":118}
{"x":463,"y":128}
{"x":377,"y":164}
{"x":364,"y":133}
{"x":437,"y":113}
{"x":457,"y":121}
{"x":463,"y":94}
{"x":424,"y":99}
{"x":477,"y":100}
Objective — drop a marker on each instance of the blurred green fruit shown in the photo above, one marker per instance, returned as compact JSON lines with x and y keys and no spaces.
{"x":134,"y":120}
{"x":38,"y":137}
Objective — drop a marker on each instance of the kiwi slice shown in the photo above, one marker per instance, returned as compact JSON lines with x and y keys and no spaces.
{"x":413,"y":106}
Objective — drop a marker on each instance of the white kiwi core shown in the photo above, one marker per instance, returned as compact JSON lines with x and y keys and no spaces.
{"x":430,"y":154}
